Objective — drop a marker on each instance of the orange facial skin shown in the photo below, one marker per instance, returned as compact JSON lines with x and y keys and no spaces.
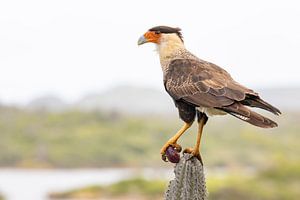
{"x":152,"y":36}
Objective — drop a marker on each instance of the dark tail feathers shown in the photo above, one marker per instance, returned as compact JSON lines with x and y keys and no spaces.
{"x":242,"y":112}
{"x":256,"y":101}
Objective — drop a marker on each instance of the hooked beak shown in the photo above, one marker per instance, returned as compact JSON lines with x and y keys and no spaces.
{"x":142,"y":40}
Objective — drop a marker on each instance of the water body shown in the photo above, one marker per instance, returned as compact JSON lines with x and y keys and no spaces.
{"x":24,"y":184}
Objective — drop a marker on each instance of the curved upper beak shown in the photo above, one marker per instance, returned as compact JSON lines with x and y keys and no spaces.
{"x":142,"y":40}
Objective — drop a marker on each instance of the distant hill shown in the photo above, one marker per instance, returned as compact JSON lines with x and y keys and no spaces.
{"x":137,"y":100}
{"x":49,"y":103}
{"x":128,"y":99}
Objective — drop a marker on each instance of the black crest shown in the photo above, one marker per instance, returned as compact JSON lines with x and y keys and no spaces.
{"x":167,"y":29}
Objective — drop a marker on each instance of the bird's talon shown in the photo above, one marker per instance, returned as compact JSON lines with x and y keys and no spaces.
{"x":177,"y":147}
{"x":188,"y":150}
{"x":194,"y":154}
{"x":164,"y":157}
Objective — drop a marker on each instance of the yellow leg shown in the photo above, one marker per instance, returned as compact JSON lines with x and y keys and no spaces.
{"x":196,"y":150}
{"x":173,"y":140}
{"x":200,"y":129}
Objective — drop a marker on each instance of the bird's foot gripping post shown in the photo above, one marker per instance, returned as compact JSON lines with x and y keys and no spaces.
{"x":189,"y":182}
{"x":195,"y":153}
{"x":171,"y":147}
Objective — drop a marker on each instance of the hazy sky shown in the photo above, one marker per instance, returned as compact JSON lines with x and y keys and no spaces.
{"x":71,"y":48}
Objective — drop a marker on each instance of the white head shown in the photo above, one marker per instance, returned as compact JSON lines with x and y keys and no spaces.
{"x":166,"y":38}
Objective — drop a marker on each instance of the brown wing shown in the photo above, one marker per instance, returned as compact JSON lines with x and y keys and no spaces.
{"x":203,"y":84}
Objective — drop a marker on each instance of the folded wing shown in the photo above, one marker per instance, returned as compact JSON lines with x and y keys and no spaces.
{"x":204,"y":84}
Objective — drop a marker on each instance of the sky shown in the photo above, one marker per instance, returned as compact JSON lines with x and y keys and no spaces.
{"x":70,"y":48}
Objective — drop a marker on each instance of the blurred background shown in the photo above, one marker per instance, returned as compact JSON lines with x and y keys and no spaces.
{"x":83,"y":112}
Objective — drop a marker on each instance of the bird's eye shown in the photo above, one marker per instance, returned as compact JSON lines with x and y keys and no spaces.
{"x":157,"y":32}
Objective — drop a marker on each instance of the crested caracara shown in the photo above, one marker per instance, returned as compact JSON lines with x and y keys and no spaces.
{"x":200,"y":88}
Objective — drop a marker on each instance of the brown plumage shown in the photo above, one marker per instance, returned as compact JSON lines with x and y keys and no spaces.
{"x":201,"y":88}
{"x":204,"y":84}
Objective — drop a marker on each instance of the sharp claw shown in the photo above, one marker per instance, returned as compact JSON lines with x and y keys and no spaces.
{"x":200,"y":159}
{"x":188,"y":150}
{"x":164,"y":157}
{"x":177,"y":147}
{"x":198,"y":156}
{"x":195,"y":154}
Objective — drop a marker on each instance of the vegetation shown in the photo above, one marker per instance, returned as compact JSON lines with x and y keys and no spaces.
{"x":137,"y":187}
{"x":279,"y":183}
{"x":243,"y":162}
{"x":94,"y":139}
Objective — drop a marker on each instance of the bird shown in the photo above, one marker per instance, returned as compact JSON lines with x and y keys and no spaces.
{"x":201,"y":89}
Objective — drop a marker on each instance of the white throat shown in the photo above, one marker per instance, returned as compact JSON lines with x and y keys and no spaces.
{"x":169,"y":44}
